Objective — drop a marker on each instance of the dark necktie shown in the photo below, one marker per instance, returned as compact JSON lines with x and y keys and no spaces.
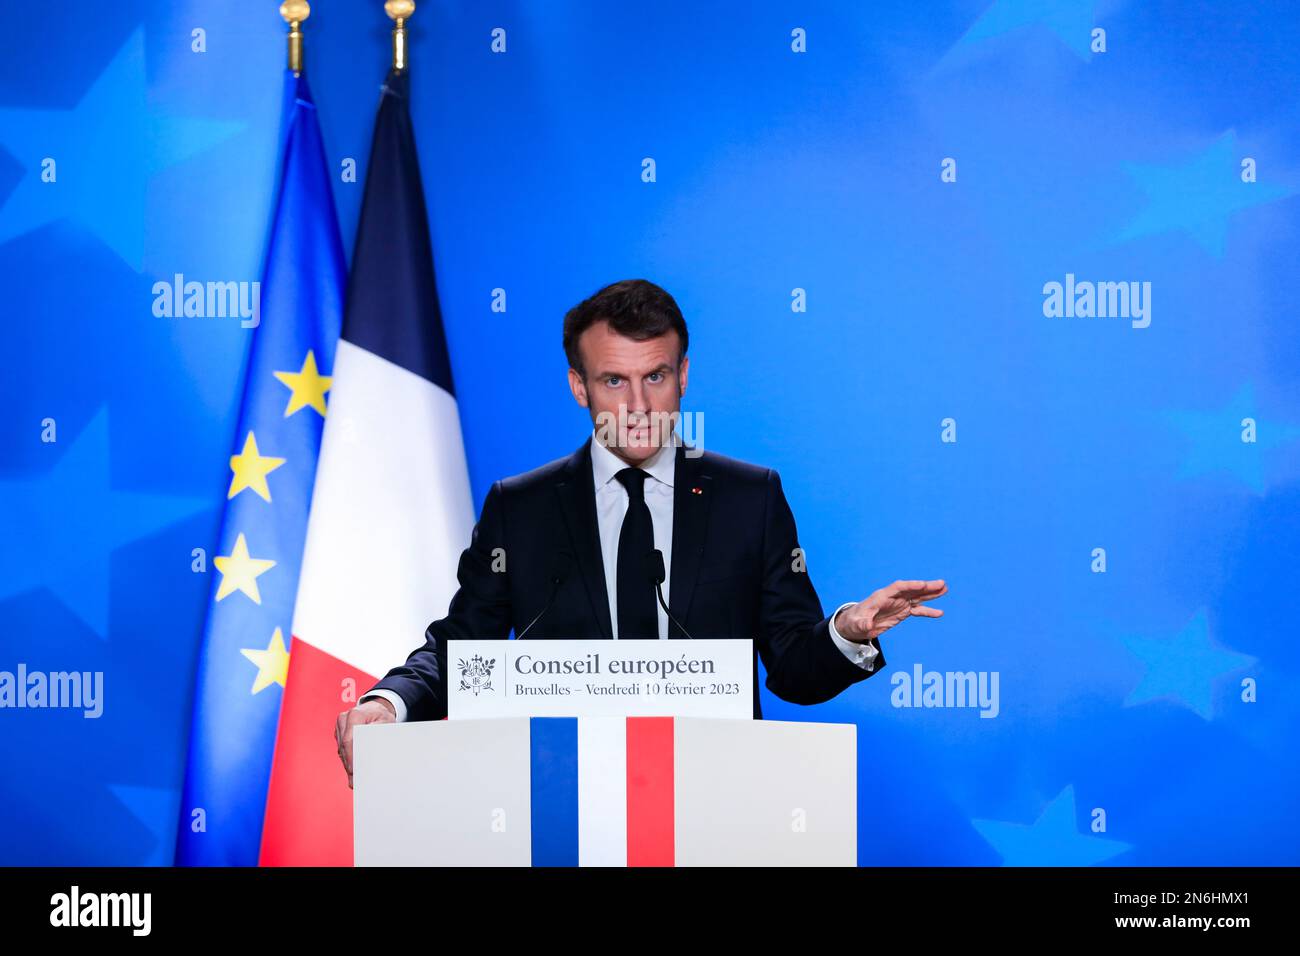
{"x":638,"y":615}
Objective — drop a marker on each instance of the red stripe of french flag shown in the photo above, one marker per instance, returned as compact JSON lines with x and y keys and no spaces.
{"x":650,"y":789}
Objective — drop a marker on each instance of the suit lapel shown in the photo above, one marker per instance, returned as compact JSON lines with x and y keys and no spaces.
{"x":692,"y":496}
{"x":577,"y":494}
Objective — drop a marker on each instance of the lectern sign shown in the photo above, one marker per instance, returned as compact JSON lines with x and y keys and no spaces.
{"x":582,"y":678}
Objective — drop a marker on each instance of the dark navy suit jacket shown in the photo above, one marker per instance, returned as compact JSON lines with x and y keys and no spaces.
{"x":732,"y":577}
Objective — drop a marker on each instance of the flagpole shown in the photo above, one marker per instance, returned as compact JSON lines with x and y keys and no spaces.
{"x":399,"y":11}
{"x":294,"y":13}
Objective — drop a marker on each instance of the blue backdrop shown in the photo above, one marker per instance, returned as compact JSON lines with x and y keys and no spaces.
{"x":860,"y":235}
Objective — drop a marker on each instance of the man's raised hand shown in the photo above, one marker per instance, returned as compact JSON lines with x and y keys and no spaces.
{"x":882,"y":609}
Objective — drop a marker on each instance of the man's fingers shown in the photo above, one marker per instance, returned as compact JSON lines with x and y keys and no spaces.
{"x":925,"y":590}
{"x":900,"y":587}
{"x":343,"y":734}
{"x":345,"y":748}
{"x":929,"y":587}
{"x":339,"y":724}
{"x":927,"y":612}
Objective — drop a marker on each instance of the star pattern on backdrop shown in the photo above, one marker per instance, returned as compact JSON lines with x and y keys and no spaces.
{"x":272,"y":662}
{"x":1051,"y":840}
{"x":240,"y":571}
{"x":1213,"y":443}
{"x":1071,"y":21}
{"x":105,"y":149}
{"x":62,"y":527}
{"x":1198,"y":196}
{"x":1183,"y":668}
{"x":307,"y":387}
{"x":250,"y":469}
{"x":155,"y":808}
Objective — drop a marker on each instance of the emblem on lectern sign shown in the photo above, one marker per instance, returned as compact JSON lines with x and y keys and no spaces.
{"x":476,"y":673}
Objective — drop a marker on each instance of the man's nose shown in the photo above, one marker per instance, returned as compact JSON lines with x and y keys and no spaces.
{"x":637,"y":399}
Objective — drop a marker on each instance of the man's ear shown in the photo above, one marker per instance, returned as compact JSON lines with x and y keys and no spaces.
{"x":578,"y":387}
{"x":681,"y":375}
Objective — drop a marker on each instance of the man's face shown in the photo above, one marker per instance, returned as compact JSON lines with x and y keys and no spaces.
{"x":632,"y":389}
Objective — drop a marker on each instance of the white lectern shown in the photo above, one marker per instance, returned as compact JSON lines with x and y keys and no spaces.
{"x":626,"y":768}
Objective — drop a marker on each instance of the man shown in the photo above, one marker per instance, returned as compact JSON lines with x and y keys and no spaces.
{"x":575,"y":535}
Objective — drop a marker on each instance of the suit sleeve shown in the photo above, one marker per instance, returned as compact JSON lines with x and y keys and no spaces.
{"x":479,"y":610}
{"x":804,"y":666}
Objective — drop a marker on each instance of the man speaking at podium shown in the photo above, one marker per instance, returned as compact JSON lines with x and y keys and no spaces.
{"x":572,"y":549}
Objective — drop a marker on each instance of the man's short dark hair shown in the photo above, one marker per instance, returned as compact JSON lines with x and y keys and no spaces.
{"x":636,"y":308}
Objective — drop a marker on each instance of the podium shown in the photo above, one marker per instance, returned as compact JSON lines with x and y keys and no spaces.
{"x":625,"y":780}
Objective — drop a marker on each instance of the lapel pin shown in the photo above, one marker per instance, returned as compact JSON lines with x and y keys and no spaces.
{"x":697,"y":491}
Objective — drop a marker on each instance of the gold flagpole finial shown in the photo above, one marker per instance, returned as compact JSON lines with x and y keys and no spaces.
{"x":294,"y":13}
{"x":399,"y":11}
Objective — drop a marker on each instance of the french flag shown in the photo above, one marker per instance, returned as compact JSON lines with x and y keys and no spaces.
{"x":602,"y":791}
{"x":391,"y":509}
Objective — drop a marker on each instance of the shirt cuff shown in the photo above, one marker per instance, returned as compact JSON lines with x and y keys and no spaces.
{"x":399,"y":705}
{"x":864,"y":655}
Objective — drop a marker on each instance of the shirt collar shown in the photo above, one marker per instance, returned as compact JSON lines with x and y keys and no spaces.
{"x":660,"y":466}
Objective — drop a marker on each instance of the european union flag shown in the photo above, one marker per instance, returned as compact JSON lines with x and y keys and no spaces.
{"x":244,"y":657}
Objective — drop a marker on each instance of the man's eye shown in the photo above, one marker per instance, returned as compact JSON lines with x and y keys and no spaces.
{"x":612,"y":380}
{"x":655,"y":376}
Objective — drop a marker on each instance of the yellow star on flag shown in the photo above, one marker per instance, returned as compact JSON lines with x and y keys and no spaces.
{"x":272,"y":663}
{"x":250,"y":470}
{"x":239,"y":571}
{"x":308,"y":387}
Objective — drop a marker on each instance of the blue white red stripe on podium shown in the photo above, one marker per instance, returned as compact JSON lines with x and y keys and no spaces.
{"x":602,"y":791}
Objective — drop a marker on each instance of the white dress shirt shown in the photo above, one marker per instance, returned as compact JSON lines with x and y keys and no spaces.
{"x":611,"y":506}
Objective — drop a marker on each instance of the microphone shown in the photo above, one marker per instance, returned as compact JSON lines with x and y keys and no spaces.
{"x":654,"y":565}
{"x":561,"y":565}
